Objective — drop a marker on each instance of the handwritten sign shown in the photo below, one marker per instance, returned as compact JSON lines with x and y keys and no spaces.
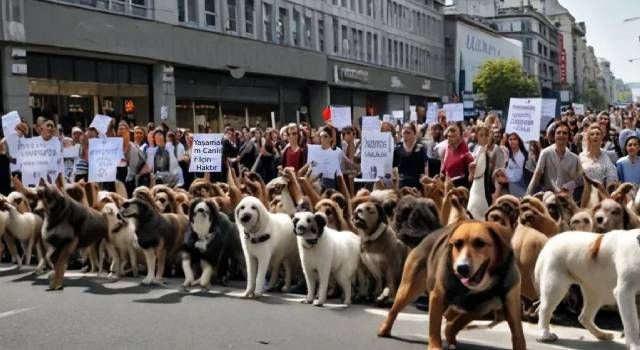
{"x":370,"y":124}
{"x":322,"y":161}
{"x":101,"y":123}
{"x":432,"y":112}
{"x":70,"y":156}
{"x":39,"y":159}
{"x":377,"y":156}
{"x":206,"y":154}
{"x":413,"y":115}
{"x":398,"y":117}
{"x":9,"y":123}
{"x":386,"y":118}
{"x":341,"y":117}
{"x":578,"y":108}
{"x":454,"y":111}
{"x":104,"y":155}
{"x":548,"y":112}
{"x":524,"y":118}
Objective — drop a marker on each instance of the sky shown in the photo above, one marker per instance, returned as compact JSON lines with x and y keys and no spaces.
{"x":610,"y":36}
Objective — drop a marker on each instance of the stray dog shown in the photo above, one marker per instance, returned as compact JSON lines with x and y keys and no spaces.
{"x":68,"y":225}
{"x":471,"y":273}
{"x":561,"y":207}
{"x":325,"y":252}
{"x":121,"y":242}
{"x":609,"y":215}
{"x":159,"y":235}
{"x":605,"y":267}
{"x":334,"y":215}
{"x":267,"y":241}
{"x":24,"y":226}
{"x":213,"y":240}
{"x":504,"y":211}
{"x":582,"y":221}
{"x":165,"y":199}
{"x":414,"y":219}
{"x":381,"y":251}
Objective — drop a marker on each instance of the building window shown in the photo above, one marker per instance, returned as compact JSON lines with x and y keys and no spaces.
{"x":395,"y":53}
{"x":267,"y":29}
{"x":249,"y":12}
{"x":375,"y":48}
{"x":540,"y":48}
{"x":356,"y":43}
{"x":360,"y":7}
{"x":401,"y":62}
{"x":281,"y":27}
{"x":307,"y":31}
{"x":210,"y":12}
{"x":345,"y":41}
{"x":528,"y":44}
{"x":370,"y":12}
{"x":187,"y":12}
{"x":232,"y":21}
{"x":295,"y":31}
{"x":344,"y":3}
{"x":321,"y":35}
{"x":336,"y":38}
{"x":353,"y":5}
{"x":369,"y":47}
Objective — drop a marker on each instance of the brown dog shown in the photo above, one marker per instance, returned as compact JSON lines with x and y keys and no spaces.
{"x":609,"y":215}
{"x":334,"y":214}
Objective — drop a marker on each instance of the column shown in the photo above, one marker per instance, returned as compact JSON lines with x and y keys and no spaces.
{"x":15,"y":83}
{"x":164,"y":94}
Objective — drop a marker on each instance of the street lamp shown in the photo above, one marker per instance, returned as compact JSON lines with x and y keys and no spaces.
{"x":631,"y":19}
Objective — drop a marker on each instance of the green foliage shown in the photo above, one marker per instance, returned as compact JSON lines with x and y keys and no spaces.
{"x":501,"y":79}
{"x":592,"y":97}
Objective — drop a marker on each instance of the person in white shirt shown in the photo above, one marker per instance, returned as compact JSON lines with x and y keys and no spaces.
{"x":515,"y":166}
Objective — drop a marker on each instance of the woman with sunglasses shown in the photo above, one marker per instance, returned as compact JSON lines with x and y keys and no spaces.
{"x":294,"y":154}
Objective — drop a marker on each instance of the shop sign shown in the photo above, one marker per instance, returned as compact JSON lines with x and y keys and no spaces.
{"x":563,"y":60}
{"x":350,"y":74}
{"x":426,"y":84}
{"x":396,"y":82}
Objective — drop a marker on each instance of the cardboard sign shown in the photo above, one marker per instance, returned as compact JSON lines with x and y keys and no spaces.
{"x":454,"y":112}
{"x":432,"y":113}
{"x":377,"y":156}
{"x":323,"y":162}
{"x":341,"y":117}
{"x":39,"y":159}
{"x":524,"y":118}
{"x":548,"y":112}
{"x":101,"y":123}
{"x":206,"y":153}
{"x":70,"y":157}
{"x":370,"y":124}
{"x":578,"y":108}
{"x":104,"y":156}
{"x":9,"y":123}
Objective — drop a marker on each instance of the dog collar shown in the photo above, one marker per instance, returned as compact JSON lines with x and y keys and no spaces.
{"x":259,"y":239}
{"x":376,"y":234}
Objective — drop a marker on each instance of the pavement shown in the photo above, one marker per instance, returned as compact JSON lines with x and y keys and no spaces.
{"x":93,"y":313}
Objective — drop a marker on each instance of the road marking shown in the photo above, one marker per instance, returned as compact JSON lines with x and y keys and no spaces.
{"x":14,"y":312}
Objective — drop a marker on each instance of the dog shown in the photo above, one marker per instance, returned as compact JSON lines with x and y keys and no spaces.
{"x":414,"y":219}
{"x":504,"y":211}
{"x":325,"y":252}
{"x":582,"y":221}
{"x":165,"y":199}
{"x":561,"y":207}
{"x":24,"y":226}
{"x":606,"y":268}
{"x":159,"y":235}
{"x":334,"y":215}
{"x":609,"y":215}
{"x":214,"y":241}
{"x":267,"y":242}
{"x":471,"y":272}
{"x":381,"y":251}
{"x":121,"y":243}
{"x":68,"y":225}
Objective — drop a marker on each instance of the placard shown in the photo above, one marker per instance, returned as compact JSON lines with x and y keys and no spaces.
{"x":341,"y":117}
{"x":548,"y":112}
{"x":454,"y":112}
{"x":377,"y":156}
{"x":39,"y":159}
{"x":398,"y":117}
{"x":70,"y":157}
{"x":432,"y":113}
{"x":206,"y":153}
{"x":386,"y":118}
{"x":322,"y":161}
{"x":413,"y":115}
{"x":524,"y":118}
{"x":370,"y":124}
{"x":101,"y":123}
{"x":9,"y":123}
{"x":578,"y":108}
{"x":104,"y":156}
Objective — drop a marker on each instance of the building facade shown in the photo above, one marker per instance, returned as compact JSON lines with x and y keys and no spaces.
{"x":203,"y":64}
{"x":608,"y":80}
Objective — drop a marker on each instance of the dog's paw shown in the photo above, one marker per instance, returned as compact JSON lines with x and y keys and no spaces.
{"x":605,"y":336}
{"x":147,"y":281}
{"x":307,"y":301}
{"x":547,"y":338}
{"x":318,"y":303}
{"x":55,"y":289}
{"x":248,"y":295}
{"x":112,"y":276}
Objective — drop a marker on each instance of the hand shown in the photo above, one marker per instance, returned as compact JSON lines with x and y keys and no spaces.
{"x":472,"y":168}
{"x":201,"y":245}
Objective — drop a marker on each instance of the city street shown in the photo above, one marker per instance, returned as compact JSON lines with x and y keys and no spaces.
{"x":93,"y":313}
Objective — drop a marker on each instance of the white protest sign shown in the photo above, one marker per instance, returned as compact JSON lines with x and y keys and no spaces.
{"x":377,"y":156}
{"x":341,"y":117}
{"x":432,"y":112}
{"x":398,"y":117}
{"x":454,"y":112}
{"x":370,"y":124}
{"x":578,"y":108}
{"x":548,"y":112}
{"x":39,"y":159}
{"x":413,"y":115}
{"x":104,"y":155}
{"x":70,"y":156}
{"x":323,"y":161}
{"x":101,"y":123}
{"x":206,"y":153}
{"x":386,"y":118}
{"x":9,"y":123}
{"x":524,"y":118}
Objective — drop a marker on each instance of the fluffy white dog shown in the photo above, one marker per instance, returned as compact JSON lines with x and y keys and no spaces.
{"x":607,"y":268}
{"x":267,"y":241}
{"x":324,"y":252}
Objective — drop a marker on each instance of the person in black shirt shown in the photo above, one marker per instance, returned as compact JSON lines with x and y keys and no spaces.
{"x":410,"y":158}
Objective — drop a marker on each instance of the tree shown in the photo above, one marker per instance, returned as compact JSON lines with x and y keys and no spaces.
{"x":501,"y":79}
{"x":592,"y":97}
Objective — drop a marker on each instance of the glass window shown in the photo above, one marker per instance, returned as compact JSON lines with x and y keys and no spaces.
{"x":370,"y":8}
{"x":356,"y":43}
{"x":360,"y":6}
{"x":249,"y":12}
{"x":401,"y":65}
{"x":267,"y":29}
{"x":295,"y":31}
{"x":37,"y":66}
{"x":345,"y":41}
{"x":281,"y":27}
{"x":307,"y":31}
{"x":232,"y":21}
{"x":85,"y":70}
{"x":106,"y":72}
{"x":321,"y":34}
{"x":61,"y":68}
{"x":375,"y":48}
{"x":336,"y":38}
{"x":353,"y":5}
{"x":369,"y":47}
{"x":210,"y":12}
{"x":139,"y":74}
{"x":361,"y":45}
{"x":122,"y":73}
{"x":187,"y":11}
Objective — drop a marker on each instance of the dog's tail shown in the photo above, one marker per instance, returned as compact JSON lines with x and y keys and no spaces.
{"x":594,"y":249}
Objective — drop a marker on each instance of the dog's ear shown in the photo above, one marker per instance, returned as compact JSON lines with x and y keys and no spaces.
{"x":631,"y":219}
{"x":389,"y":205}
{"x":295,"y":220}
{"x":382,"y":216}
{"x":502,"y":239}
{"x":42,"y":182}
{"x":213,"y":212}
{"x":192,"y":207}
{"x":321,"y":222}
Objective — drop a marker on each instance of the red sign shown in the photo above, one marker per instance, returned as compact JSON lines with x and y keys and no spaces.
{"x":563,"y":60}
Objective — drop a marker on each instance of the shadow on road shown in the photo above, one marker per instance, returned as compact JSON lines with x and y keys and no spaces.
{"x":176,"y":297}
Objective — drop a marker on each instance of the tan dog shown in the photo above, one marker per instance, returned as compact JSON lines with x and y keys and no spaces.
{"x":561,"y":207}
{"x":165,"y":199}
{"x":334,"y":214}
{"x":454,"y":206}
{"x":582,"y":221}
{"x":504,"y":211}
{"x":609,"y":215}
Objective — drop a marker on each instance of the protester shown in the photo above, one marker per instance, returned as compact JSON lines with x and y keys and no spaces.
{"x":410,"y":157}
{"x":334,"y":155}
{"x":165,"y":165}
{"x":479,"y":174}
{"x":594,"y":161}
{"x":516,"y":170}
{"x":628,"y":167}
{"x":457,"y":157}
{"x":294,"y":154}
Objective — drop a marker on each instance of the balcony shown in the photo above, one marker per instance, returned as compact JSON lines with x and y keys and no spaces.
{"x":135,"y":8}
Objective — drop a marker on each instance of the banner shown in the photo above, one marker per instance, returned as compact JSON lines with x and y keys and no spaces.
{"x":578,"y":108}
{"x":548,"y":112}
{"x":370,"y":124}
{"x":9,"y":123}
{"x":322,"y":162}
{"x":341,"y":117}
{"x":206,"y":153}
{"x":104,"y":155}
{"x":454,"y":112}
{"x":70,"y":156}
{"x":524,"y":118}
{"x":39,"y":159}
{"x":101,"y":123}
{"x":432,"y":112}
{"x":377,"y":156}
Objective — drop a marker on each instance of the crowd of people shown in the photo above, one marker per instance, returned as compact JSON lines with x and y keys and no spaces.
{"x":476,"y":154}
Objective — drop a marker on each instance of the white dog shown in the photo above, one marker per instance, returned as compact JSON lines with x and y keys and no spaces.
{"x":26,"y":228}
{"x":121,"y":245}
{"x":324,"y":252}
{"x":267,"y":241}
{"x":607,"y":268}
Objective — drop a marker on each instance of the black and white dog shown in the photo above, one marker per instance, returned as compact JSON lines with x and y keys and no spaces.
{"x":214,"y":241}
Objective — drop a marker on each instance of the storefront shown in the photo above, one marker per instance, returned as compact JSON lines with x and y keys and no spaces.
{"x":207,"y":100}
{"x":73,"y":89}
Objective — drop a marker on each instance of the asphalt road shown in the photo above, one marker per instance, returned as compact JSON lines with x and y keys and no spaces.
{"x":93,"y":313}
